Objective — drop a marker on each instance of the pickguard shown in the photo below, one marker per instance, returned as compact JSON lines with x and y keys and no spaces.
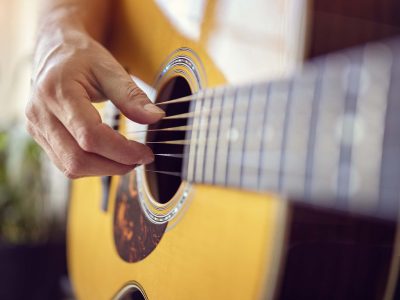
{"x":135,"y":237}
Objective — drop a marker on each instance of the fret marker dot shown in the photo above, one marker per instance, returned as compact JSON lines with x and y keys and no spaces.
{"x":350,"y":129}
{"x":233,"y":135}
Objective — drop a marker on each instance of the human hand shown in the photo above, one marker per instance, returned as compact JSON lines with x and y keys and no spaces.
{"x":71,"y":70}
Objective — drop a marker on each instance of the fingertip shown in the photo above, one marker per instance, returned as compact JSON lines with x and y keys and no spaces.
{"x":150,"y":107}
{"x":142,"y":153}
{"x":152,"y":113}
{"x":142,"y":111}
{"x":146,"y":160}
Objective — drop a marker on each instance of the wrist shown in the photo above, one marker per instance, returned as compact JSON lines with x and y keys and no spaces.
{"x":62,"y":29}
{"x":59,"y":22}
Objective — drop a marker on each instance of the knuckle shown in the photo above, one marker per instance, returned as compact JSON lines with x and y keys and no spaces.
{"x":87,"y":140}
{"x":30,"y":129}
{"x":52,"y":83}
{"x":30,"y":112}
{"x":73,"y":167}
{"x":70,"y":175}
{"x":46,"y":91}
{"x":134,"y":91}
{"x":45,"y":86}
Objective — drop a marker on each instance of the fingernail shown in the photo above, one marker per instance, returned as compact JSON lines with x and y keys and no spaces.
{"x":146,"y":160}
{"x":153,"y":109}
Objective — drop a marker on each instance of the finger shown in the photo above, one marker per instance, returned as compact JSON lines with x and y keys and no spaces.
{"x":75,"y":161}
{"x":119,"y":87}
{"x":83,"y":122}
{"x":38,"y":137}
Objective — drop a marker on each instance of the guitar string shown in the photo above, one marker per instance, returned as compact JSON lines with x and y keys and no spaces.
{"x":176,"y":128}
{"x":190,"y":114}
{"x":203,"y":113}
{"x":203,"y":96}
{"x":140,"y":134}
{"x":193,"y":97}
{"x":174,"y":142}
{"x":208,"y":112}
{"x":212,"y":91}
{"x":250,"y":153}
{"x":232,"y":135}
{"x":323,"y":177}
{"x":170,"y":155}
{"x":176,"y":174}
{"x":132,"y":133}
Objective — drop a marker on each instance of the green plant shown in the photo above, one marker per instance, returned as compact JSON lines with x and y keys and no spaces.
{"x":22,"y":190}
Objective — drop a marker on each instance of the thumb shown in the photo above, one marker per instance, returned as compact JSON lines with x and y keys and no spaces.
{"x":118,"y":86}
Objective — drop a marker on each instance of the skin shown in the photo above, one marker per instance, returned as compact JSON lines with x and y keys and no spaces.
{"x":71,"y":70}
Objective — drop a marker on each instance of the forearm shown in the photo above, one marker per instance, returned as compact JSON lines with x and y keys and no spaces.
{"x":91,"y":16}
{"x":68,"y":24}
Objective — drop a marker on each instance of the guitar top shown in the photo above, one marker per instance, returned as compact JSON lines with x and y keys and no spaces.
{"x":276,"y":166}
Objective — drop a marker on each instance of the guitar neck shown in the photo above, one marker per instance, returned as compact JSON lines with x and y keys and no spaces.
{"x":328,"y":136}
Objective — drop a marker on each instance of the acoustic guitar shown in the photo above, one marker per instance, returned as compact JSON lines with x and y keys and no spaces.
{"x":277,"y":167}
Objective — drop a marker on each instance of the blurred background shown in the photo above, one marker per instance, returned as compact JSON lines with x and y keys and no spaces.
{"x":33,"y":194}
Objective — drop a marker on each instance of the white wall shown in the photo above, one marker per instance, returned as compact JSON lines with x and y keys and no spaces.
{"x":18,"y":20}
{"x":17,"y":29}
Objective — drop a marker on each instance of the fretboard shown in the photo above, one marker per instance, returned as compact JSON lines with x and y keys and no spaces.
{"x":329,"y":135}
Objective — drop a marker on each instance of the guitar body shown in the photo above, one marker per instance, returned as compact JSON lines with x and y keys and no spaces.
{"x":220,"y":243}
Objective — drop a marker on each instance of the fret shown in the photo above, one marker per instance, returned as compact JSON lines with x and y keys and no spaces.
{"x":250,"y":153}
{"x":352,"y":74}
{"x":235,"y":135}
{"x":286,"y":121}
{"x":223,"y":144}
{"x":217,"y":148}
{"x":298,"y":130}
{"x":326,"y":158}
{"x":368,"y":127}
{"x":264,"y":123}
{"x":191,"y":149}
{"x":212,"y":137}
{"x":273,"y":136}
{"x":203,"y":129}
{"x":197,"y":128}
{"x":229,"y":135}
{"x":314,"y":122}
{"x":389,"y":187}
{"x":245,"y":136}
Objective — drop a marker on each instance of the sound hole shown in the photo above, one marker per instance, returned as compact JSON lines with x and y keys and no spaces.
{"x":162,"y":186}
{"x":133,"y":294}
